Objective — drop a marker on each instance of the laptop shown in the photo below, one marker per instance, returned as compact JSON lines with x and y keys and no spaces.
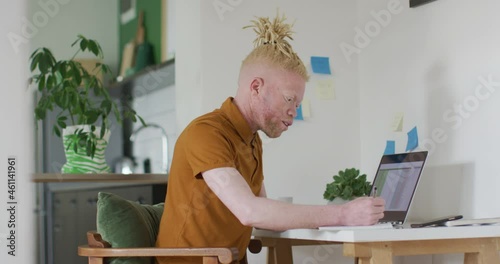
{"x":396,"y":181}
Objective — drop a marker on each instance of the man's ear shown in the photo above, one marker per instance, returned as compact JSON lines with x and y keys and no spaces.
{"x":256,"y":85}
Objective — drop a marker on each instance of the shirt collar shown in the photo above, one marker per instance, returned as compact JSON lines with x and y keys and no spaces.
{"x":237,"y":120}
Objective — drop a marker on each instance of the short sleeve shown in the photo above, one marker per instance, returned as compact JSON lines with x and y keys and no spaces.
{"x":208,"y":147}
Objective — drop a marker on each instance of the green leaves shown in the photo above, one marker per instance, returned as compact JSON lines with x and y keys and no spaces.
{"x":41,"y":83}
{"x":89,"y":45}
{"x":61,"y":121}
{"x":94,"y":47}
{"x":42,"y":59}
{"x":92,"y":116}
{"x":84,"y":139}
{"x":347,"y":185}
{"x":106,"y":105}
{"x":105,"y":68}
{"x":56,"y":130}
{"x":75,"y":92}
{"x":39,"y":113}
{"x":83,"y":44}
{"x":103,"y":129}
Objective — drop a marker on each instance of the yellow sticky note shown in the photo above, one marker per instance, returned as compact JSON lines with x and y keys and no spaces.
{"x":397,"y":124}
{"x":325,"y":89}
{"x":306,"y":108}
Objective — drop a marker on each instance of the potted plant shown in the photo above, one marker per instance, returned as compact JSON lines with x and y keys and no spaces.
{"x":82,"y":103}
{"x":347,"y":185}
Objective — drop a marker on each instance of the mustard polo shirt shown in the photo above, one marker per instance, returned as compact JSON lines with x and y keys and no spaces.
{"x":194,"y":216}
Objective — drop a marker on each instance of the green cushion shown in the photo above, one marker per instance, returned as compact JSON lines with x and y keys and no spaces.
{"x":126,"y":223}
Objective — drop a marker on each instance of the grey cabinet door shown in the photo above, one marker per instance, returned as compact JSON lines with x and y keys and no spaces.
{"x":64,"y":226}
{"x":140,"y":194}
{"x":86,"y":217}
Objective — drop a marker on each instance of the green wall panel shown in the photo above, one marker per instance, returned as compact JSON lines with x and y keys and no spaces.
{"x":152,"y":23}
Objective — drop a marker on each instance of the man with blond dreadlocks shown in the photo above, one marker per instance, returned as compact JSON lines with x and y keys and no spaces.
{"x":215,"y":191}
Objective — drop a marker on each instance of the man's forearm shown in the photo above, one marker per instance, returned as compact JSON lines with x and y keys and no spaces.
{"x":260,"y":212}
{"x":276,"y":215}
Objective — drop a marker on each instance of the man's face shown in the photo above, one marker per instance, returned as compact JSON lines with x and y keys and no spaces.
{"x":279,"y":99}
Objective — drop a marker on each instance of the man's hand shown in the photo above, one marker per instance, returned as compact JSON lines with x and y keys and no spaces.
{"x":362,"y":211}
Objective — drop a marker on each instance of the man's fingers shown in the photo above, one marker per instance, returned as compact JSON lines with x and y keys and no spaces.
{"x":378,"y":201}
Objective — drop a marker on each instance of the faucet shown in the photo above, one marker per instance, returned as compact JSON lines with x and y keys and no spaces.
{"x":164,"y":145}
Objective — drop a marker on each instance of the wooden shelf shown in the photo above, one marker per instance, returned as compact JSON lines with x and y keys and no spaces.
{"x":105,"y":177}
{"x":144,"y":72}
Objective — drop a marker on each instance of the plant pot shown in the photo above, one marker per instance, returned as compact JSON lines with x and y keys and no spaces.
{"x":79,"y":162}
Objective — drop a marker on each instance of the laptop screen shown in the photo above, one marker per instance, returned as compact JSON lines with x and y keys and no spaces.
{"x":396,"y":181}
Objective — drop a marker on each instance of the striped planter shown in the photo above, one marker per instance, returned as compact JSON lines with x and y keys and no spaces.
{"x":80,"y":162}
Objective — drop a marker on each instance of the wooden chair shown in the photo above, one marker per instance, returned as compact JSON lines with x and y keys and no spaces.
{"x":124,"y":223}
{"x":98,"y":249}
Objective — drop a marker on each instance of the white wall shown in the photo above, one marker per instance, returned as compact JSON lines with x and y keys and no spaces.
{"x":57,"y":23}
{"x":16,"y":136}
{"x":158,"y":108}
{"x":426,"y":62}
{"x":187,"y":62}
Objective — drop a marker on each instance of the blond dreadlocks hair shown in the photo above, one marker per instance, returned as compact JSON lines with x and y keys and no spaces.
{"x":272,"y":47}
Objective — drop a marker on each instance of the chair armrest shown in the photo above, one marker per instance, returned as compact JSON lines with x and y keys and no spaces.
{"x":225,"y":255}
{"x":99,"y":248}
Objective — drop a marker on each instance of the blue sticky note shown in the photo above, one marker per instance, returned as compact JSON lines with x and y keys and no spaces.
{"x":412,"y":139}
{"x":390,"y":147}
{"x":320,"y":65}
{"x":299,"y":113}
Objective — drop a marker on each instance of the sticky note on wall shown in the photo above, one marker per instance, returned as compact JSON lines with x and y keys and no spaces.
{"x":299,"y":113}
{"x":412,"y":139}
{"x":397,"y":123}
{"x":325,"y":89}
{"x":320,"y":65}
{"x":390,"y":147}
{"x":306,"y":107}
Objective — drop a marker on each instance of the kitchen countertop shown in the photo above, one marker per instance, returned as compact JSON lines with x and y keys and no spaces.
{"x":146,"y":178}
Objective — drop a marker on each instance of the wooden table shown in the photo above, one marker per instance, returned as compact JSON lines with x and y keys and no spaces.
{"x":480,"y":244}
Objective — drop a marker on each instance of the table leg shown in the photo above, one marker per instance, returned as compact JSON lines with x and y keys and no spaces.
{"x":280,"y":252}
{"x":271,"y":255}
{"x":270,"y":244}
{"x":381,"y":253}
{"x":488,"y":254}
{"x":370,"y":253}
{"x":363,"y":261}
